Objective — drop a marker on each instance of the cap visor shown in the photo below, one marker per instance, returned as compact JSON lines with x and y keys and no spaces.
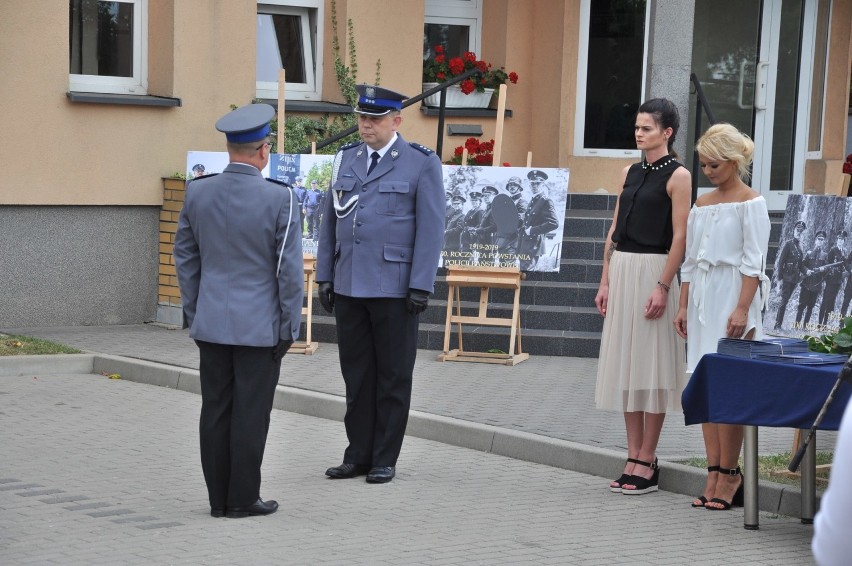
{"x":371,"y":112}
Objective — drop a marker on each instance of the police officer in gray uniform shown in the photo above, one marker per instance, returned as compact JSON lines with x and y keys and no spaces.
{"x":238,"y":255}
{"x":379,"y":247}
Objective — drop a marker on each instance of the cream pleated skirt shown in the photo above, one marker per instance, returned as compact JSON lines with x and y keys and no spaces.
{"x":642,"y":362}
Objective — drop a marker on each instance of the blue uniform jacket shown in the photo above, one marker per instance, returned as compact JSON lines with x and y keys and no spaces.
{"x":229,"y":235}
{"x":392,"y":239}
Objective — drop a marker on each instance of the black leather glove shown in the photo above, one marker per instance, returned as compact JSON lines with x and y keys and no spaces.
{"x":326,"y":295}
{"x":417,"y":301}
{"x":281,"y":349}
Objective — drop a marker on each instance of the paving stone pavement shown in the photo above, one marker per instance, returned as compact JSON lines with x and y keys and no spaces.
{"x":100,"y":471}
{"x":105,"y":471}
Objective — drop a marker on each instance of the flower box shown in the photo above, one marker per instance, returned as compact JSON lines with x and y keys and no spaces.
{"x":457,"y":99}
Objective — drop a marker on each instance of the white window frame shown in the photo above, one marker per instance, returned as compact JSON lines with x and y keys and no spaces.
{"x":466,"y":13}
{"x":312,"y":41}
{"x":138,"y":83}
{"x":582,"y":73}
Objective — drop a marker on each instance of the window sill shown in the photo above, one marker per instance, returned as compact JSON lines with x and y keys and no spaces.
{"x":310,"y":106}
{"x":126,"y":99}
{"x":463,"y":112}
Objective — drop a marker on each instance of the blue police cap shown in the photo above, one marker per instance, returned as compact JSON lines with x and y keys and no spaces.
{"x":247,"y":123}
{"x":377,"y":101}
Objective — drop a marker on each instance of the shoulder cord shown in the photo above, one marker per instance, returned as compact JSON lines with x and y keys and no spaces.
{"x":341,"y":211}
{"x":286,"y":233}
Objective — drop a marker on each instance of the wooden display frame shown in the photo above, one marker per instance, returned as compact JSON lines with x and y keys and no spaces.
{"x":485,"y":278}
{"x":307,"y":347}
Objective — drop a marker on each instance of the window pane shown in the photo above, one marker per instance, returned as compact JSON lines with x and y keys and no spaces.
{"x":614,"y":72}
{"x":279,"y":46}
{"x":455,"y":39}
{"x":101,"y":38}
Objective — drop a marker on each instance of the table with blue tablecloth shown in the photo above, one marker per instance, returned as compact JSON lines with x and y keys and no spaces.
{"x":732,"y":390}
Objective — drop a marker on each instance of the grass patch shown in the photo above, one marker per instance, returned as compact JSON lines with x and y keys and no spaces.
{"x":13,"y":345}
{"x":774,"y":468}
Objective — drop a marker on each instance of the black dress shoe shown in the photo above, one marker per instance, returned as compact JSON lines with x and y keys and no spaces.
{"x":346,"y":471}
{"x":260,"y":507}
{"x":217,"y":511}
{"x":381,"y":474}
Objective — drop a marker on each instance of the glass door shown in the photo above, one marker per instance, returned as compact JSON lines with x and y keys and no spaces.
{"x":750,"y":69}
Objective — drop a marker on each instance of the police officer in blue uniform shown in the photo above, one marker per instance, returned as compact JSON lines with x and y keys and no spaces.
{"x":379,"y":247}
{"x":238,"y":256}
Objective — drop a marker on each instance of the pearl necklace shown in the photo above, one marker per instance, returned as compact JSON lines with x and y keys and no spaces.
{"x":646,"y":165}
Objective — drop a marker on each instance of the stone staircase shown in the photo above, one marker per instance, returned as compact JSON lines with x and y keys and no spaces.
{"x":558,"y":315}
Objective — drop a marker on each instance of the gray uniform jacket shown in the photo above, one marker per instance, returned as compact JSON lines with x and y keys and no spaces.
{"x":228,"y":240}
{"x":391,"y":241}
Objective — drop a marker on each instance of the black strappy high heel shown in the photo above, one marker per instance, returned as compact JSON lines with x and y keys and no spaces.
{"x":701,"y":498}
{"x":737,"y":500}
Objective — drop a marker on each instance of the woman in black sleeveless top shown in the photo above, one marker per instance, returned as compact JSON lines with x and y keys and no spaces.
{"x":641,"y":367}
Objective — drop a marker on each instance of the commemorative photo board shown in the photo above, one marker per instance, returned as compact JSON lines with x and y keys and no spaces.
{"x":812,"y":276}
{"x":504,"y":217}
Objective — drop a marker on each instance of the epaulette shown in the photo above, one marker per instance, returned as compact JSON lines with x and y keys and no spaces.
{"x":350,"y":145}
{"x":277,"y":182}
{"x":201,"y":177}
{"x":421,"y":148}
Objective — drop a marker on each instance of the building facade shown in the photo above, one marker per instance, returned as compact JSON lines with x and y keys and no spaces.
{"x":104,"y":99}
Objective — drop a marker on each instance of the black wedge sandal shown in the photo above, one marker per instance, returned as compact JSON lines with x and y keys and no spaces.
{"x":701,"y":498}
{"x":643,"y":485}
{"x":737,"y":500}
{"x":624,"y":477}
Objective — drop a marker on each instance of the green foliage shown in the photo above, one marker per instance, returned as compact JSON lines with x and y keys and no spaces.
{"x":839,"y":342}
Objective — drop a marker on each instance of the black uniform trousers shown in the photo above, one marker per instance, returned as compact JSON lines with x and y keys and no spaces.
{"x":787,"y":288}
{"x":377,"y":342}
{"x":237,"y":388}
{"x":829,"y":298}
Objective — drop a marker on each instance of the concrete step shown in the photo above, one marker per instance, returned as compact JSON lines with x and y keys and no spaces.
{"x":483,"y":338}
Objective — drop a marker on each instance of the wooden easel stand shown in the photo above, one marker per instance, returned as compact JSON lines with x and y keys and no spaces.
{"x":485,"y":278}
{"x":307,"y":347}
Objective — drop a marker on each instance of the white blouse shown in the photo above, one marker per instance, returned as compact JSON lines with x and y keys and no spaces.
{"x":723,"y":242}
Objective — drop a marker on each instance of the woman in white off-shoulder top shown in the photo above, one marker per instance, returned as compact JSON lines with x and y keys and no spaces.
{"x":723,"y":286}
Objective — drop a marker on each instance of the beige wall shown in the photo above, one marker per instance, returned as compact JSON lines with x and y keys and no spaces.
{"x":58,"y":152}
{"x":203,"y":52}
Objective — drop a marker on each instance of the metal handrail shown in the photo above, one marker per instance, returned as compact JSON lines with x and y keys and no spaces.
{"x":442,"y":88}
{"x":701,"y":104}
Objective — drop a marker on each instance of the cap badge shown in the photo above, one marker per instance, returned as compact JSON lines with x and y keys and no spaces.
{"x":370,"y":92}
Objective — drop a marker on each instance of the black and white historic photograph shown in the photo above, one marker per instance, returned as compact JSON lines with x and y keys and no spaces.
{"x":812,"y":277}
{"x":504,"y":217}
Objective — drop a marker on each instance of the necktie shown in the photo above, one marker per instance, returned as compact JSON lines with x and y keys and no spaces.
{"x":374,"y":158}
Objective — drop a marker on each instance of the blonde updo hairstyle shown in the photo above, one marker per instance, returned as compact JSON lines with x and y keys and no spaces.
{"x":723,"y":142}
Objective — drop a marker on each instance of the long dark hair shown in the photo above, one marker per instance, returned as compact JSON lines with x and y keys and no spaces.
{"x":665,"y":116}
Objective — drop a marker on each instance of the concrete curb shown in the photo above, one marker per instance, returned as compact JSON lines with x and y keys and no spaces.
{"x":675,"y":478}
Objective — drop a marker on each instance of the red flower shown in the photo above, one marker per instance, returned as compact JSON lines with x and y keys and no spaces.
{"x":441,"y":68}
{"x":472,"y":144}
{"x":458,"y":151}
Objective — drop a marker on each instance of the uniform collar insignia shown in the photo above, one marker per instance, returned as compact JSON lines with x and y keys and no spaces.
{"x":394,"y":154}
{"x":360,"y":152}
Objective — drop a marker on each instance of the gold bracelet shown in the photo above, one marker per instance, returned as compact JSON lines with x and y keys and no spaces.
{"x":664,"y":286}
